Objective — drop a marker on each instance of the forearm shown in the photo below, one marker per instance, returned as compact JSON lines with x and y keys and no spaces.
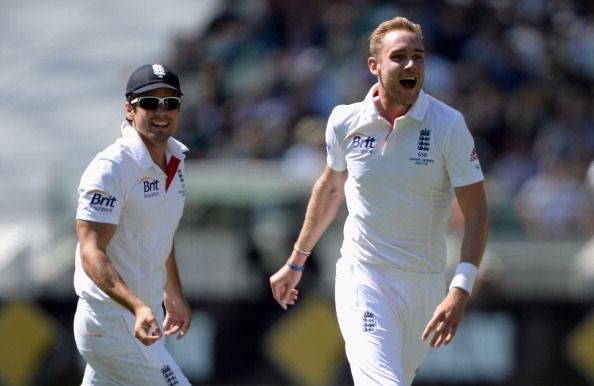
{"x":173,"y":287}
{"x":325,"y":201}
{"x":100,"y":269}
{"x":475,"y":238}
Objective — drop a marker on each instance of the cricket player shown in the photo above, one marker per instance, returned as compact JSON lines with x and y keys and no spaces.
{"x":131,"y":199}
{"x":397,"y":157}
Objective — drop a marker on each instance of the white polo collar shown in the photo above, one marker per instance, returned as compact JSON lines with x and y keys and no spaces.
{"x":416,"y":112}
{"x":132,"y":140}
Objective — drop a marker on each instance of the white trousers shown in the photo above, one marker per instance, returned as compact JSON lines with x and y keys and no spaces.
{"x":382,"y":312}
{"x":105,"y":339}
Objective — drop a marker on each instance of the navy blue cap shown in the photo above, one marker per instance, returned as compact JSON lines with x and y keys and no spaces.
{"x":152,"y":76}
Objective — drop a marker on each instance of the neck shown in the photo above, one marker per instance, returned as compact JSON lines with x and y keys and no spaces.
{"x":390,"y":111}
{"x":157,"y":152}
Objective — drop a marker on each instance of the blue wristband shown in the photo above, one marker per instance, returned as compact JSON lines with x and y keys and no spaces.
{"x":295,"y":267}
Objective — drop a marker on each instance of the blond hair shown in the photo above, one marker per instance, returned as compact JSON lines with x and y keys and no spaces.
{"x":397,"y":23}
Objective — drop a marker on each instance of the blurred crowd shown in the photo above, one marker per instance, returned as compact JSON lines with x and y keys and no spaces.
{"x":263,"y":77}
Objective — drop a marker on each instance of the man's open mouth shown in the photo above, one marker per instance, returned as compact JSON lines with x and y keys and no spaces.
{"x":408,"y":82}
{"x":160,"y":124}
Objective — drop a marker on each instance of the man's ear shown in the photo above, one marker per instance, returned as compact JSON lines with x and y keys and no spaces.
{"x":373,"y":65}
{"x":129,"y":111}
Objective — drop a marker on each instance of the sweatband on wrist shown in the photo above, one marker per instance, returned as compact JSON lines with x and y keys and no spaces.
{"x":296,"y":267}
{"x":464,"y":277}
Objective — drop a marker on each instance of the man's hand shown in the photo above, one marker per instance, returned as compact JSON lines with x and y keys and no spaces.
{"x":446,"y":318}
{"x":146,"y":328}
{"x":283,"y":284}
{"x":178,"y":316}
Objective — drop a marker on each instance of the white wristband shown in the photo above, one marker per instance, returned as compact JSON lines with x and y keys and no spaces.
{"x":464,"y":277}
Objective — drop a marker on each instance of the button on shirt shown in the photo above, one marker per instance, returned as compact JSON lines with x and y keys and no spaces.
{"x":123,"y":186}
{"x":400,"y":179}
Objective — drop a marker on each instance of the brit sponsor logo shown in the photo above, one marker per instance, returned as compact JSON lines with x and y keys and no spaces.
{"x":368,"y":321}
{"x":362,"y":144}
{"x":101,"y":201}
{"x":150,"y":187}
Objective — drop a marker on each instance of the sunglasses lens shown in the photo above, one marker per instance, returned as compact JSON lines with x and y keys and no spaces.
{"x":149,"y":103}
{"x":152,"y":103}
{"x":171,"y":103}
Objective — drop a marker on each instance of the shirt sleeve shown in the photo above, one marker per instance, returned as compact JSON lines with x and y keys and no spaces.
{"x":462,"y":161}
{"x":101,"y":196}
{"x":335,"y":157}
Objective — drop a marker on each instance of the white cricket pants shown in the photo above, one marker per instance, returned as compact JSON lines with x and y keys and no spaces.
{"x":382,"y":312}
{"x":105,"y":339}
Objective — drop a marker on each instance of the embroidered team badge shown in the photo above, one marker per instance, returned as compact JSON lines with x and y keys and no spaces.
{"x":424,"y":140}
{"x":169,"y":376}
{"x":368,"y":321}
{"x":423,"y":156}
{"x":159,"y":70}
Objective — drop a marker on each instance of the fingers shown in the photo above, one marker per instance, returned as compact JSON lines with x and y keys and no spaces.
{"x":280,"y":294}
{"x":148,"y":332}
{"x":450,"y":336}
{"x":444,"y":331}
{"x":283,"y":296}
{"x":174,"y":326}
{"x":431,"y":326}
{"x":291,"y":297}
{"x":171,"y":327}
{"x":184,"y":330}
{"x":177,"y":322}
{"x":283,"y":285}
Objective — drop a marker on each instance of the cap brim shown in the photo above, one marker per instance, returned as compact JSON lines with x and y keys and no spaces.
{"x":155,"y":86}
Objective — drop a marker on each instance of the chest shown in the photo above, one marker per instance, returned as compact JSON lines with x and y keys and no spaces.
{"x":409,"y":157}
{"x":152,"y":200}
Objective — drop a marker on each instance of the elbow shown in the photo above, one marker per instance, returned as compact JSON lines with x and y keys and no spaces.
{"x":85,"y":260}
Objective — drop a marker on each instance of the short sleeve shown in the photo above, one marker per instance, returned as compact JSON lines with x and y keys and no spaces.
{"x":101,"y":195}
{"x":462,"y":161}
{"x":335,"y":157}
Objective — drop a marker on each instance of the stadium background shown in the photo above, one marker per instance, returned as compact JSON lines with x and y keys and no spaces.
{"x":260,"y":78}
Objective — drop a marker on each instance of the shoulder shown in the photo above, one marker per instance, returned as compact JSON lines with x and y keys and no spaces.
{"x":347,"y":115}
{"x":117,"y":154}
{"x":345,"y":111}
{"x":440,"y":110}
{"x":114,"y":160}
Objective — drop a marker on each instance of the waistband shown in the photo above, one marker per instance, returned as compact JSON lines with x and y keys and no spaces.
{"x":109,"y":305}
{"x":392,"y":270}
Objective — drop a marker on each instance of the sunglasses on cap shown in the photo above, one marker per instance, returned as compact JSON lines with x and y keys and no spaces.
{"x":153,"y":102}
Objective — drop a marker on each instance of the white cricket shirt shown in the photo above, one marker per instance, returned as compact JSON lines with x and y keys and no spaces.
{"x":123,"y":186}
{"x":400,"y":179}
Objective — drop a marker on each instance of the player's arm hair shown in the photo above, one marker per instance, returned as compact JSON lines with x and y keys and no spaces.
{"x":94,"y":237}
